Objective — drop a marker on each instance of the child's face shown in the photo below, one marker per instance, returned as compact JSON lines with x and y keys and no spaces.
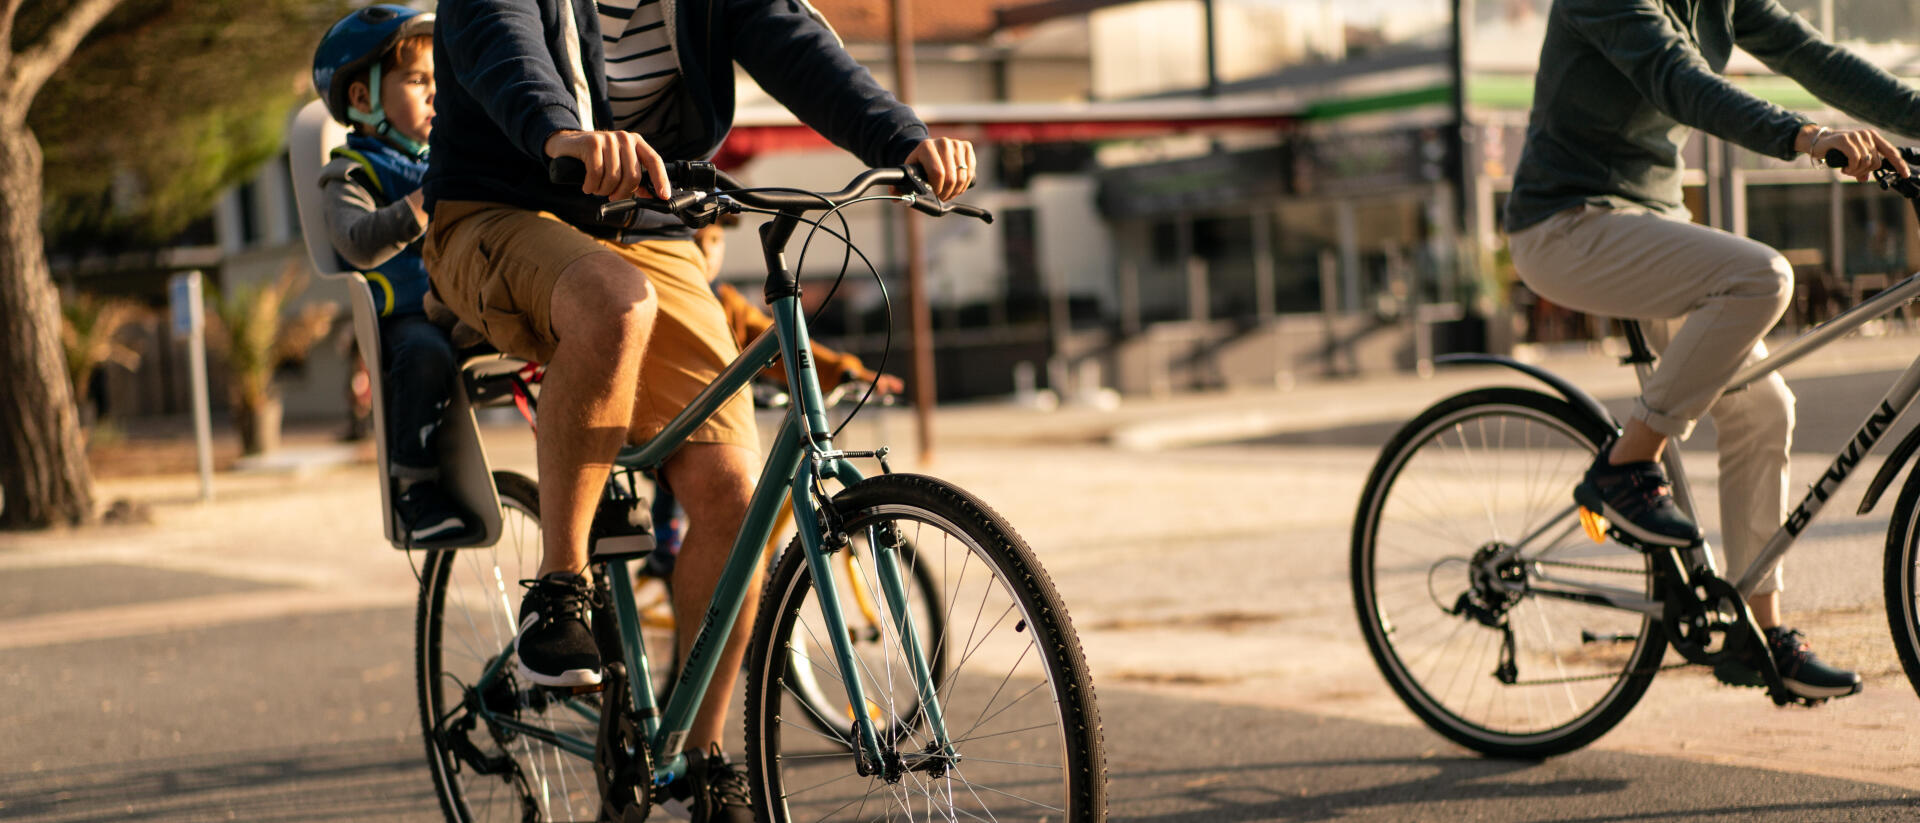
{"x":712,"y":241}
{"x":406,"y":93}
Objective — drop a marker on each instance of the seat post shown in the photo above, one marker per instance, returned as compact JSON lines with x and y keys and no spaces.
{"x":1638,"y":352}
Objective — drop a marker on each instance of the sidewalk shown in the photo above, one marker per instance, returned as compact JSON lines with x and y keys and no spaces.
{"x":1148,"y":424}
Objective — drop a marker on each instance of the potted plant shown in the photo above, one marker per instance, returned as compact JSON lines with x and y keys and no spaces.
{"x":91,"y":332}
{"x":260,"y":335}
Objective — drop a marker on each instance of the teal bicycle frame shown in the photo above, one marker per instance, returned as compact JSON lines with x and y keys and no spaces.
{"x":802,"y":456}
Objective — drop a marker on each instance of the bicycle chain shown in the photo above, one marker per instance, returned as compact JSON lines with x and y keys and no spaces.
{"x":1608,"y":675}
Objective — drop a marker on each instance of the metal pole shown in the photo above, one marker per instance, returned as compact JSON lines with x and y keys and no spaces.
{"x":1212,"y":47}
{"x":190,"y":321}
{"x":918,"y":307}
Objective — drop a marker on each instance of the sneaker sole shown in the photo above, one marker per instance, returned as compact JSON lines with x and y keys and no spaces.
{"x":570,"y":677}
{"x":1807,"y":690}
{"x":1586,"y":496}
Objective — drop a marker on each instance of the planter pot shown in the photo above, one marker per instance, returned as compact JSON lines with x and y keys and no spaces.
{"x":259,"y":427}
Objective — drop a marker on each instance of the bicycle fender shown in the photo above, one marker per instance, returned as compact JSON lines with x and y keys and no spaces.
{"x":1896,"y":459}
{"x":1571,"y":393}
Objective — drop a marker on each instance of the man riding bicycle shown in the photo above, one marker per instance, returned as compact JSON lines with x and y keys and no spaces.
{"x":621,"y":314}
{"x":1598,"y":225}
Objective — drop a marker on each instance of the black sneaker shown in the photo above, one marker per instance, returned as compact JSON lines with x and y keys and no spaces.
{"x":1804,"y":674}
{"x":555,"y":645}
{"x":1638,"y":499}
{"x":717,"y":790}
{"x":430,"y":515}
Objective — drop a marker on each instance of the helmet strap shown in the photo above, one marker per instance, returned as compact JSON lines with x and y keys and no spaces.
{"x":376,"y":117}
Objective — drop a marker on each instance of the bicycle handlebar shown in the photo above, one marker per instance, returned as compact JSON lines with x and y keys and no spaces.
{"x":1908,"y":187}
{"x":693,"y":183}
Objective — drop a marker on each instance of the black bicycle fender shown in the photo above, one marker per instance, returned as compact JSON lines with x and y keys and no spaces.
{"x":1895,"y":461}
{"x":1571,"y":393}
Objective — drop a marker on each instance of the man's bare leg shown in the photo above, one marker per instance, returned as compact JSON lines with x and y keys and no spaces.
{"x":603,"y":311}
{"x":714,"y":482}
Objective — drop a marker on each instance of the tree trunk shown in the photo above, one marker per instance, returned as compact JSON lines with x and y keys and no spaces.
{"x":43,"y":463}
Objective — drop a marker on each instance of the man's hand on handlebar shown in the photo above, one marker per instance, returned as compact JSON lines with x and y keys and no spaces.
{"x":618,"y":163}
{"x":1864,"y":150}
{"x":948,"y":163}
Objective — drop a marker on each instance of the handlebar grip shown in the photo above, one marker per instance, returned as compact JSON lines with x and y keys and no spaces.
{"x":1839,"y":161}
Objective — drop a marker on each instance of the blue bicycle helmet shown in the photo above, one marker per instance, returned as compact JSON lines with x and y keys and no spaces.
{"x":356,"y":44}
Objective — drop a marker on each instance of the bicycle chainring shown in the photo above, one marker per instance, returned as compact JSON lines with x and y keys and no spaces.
{"x":1708,"y":622}
{"x":623,"y":764}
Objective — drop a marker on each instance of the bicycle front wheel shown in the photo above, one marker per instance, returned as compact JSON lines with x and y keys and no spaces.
{"x":491,"y":740}
{"x":1017,"y":699}
{"x":1466,"y":528}
{"x":1903,"y":580}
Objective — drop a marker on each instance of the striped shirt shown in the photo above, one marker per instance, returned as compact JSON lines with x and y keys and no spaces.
{"x":640,"y":64}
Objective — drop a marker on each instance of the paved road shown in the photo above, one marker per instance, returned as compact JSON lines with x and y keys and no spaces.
{"x":250,"y":660}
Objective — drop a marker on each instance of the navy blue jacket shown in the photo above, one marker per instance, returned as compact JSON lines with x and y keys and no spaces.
{"x":502,"y":91}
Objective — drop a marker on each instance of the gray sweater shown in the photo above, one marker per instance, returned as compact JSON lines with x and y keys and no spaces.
{"x":364,"y":233}
{"x":1622,"y":83}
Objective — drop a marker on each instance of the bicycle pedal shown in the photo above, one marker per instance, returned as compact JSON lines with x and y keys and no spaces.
{"x":1595,"y":524}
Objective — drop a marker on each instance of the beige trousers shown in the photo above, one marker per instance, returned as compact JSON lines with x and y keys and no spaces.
{"x":1729,"y":291}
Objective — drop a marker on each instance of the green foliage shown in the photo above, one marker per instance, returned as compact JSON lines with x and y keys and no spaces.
{"x":255,"y":329}
{"x":166,"y":104}
{"x":91,"y":332}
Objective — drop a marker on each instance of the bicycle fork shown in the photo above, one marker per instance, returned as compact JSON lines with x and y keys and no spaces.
{"x":818,"y":539}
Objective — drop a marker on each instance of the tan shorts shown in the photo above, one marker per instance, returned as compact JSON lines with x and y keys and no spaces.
{"x":495,"y":267}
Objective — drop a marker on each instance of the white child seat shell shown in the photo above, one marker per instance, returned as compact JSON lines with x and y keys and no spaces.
{"x":463,"y":460}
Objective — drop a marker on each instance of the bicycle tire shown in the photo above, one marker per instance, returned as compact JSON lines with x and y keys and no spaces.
{"x":1055,"y":744}
{"x":1410,"y":579}
{"x":1902,"y":587}
{"x":472,"y":594}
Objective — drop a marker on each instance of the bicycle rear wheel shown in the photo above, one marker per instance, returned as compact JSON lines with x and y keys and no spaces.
{"x":1453,"y":614}
{"x":483,"y":767}
{"x":1018,"y":701}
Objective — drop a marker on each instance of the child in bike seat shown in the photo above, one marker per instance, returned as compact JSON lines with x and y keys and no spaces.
{"x":1598,"y":224}
{"x":374,"y":69}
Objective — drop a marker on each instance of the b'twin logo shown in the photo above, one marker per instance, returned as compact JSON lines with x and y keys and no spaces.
{"x":1843,"y":465}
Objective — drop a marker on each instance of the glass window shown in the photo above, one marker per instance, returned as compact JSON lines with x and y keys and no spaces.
{"x":1791,"y":218}
{"x":1302,"y":231}
{"x":1874,"y":228}
{"x":1876,"y":21}
{"x":1226,"y":245}
{"x":1163,"y":274}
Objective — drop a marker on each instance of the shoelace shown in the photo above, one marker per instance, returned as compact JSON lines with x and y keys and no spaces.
{"x":726,"y":783}
{"x":1790,"y":645}
{"x":558,"y":600}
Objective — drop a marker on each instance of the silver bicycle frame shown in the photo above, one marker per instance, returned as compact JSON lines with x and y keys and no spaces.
{"x":1897,"y":399}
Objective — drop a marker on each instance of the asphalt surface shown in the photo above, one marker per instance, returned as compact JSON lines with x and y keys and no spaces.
{"x":251,"y":659}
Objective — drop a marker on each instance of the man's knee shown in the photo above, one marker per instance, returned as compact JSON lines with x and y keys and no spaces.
{"x":713,"y":479}
{"x":1767,"y":275}
{"x":603,"y":303}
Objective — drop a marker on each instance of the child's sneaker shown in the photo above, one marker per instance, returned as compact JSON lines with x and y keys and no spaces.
{"x":430,"y":516}
{"x":1638,"y":499}
{"x":555,"y":645}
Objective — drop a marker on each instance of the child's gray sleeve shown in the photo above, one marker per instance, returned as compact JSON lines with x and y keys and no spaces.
{"x":364,"y":233}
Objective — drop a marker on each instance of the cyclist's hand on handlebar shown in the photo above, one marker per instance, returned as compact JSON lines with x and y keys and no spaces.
{"x":1864,"y":149}
{"x":886,"y":384}
{"x":619,"y":163}
{"x":949,"y":165}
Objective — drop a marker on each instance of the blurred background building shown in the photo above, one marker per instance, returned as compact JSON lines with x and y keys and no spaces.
{"x":1192,"y":195}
